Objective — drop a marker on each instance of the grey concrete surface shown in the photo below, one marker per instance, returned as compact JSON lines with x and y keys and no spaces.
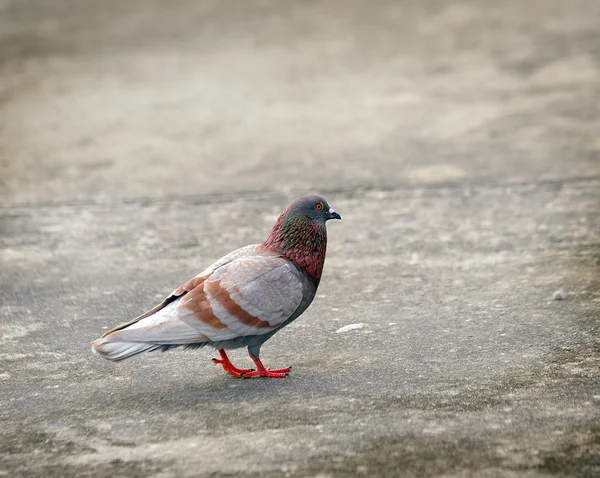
{"x":141,"y":140}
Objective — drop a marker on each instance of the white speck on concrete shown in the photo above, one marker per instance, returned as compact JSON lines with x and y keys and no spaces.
{"x":346,"y":328}
{"x":559,"y":295}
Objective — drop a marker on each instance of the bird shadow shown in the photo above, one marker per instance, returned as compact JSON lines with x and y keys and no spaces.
{"x":176,"y":394}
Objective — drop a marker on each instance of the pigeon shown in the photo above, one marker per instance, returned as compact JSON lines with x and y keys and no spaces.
{"x":241,"y":300}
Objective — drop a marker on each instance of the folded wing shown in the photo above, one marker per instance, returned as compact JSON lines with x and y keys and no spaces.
{"x":250,"y":294}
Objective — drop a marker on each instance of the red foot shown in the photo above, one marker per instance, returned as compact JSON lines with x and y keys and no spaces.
{"x":261,"y":371}
{"x":229,"y":367}
{"x":265,"y":373}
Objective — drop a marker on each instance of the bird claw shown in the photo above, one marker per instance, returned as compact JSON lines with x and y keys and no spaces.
{"x":230,"y":368}
{"x":261,"y":370}
{"x":268,"y":373}
{"x":285,"y":370}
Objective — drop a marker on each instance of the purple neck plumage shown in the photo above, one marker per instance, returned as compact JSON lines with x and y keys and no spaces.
{"x":301,"y":240}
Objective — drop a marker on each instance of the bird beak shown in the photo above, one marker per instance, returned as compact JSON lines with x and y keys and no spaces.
{"x":333,"y":214}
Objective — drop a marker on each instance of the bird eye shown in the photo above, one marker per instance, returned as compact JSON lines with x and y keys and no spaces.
{"x":319,"y":206}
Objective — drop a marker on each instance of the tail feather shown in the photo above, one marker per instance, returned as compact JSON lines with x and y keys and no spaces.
{"x":160,"y":330}
{"x":117,"y":350}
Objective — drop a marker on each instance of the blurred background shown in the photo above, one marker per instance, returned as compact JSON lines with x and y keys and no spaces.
{"x":112,"y":99}
{"x":460,"y":142}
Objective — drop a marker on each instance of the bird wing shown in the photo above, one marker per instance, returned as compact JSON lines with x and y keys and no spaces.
{"x":247,"y":294}
{"x":188,"y":286}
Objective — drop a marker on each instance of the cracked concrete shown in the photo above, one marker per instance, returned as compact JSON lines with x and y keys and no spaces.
{"x":140,"y":141}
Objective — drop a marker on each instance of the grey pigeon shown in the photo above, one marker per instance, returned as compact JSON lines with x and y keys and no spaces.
{"x":241,"y":300}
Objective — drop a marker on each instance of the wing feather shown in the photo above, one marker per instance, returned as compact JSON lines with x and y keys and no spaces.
{"x":245,"y":293}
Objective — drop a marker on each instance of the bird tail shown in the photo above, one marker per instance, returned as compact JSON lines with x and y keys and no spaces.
{"x":158,"y":329}
{"x":115,"y":350}
{"x":154,"y":330}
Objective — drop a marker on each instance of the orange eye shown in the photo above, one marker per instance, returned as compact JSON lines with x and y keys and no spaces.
{"x":319,"y":206}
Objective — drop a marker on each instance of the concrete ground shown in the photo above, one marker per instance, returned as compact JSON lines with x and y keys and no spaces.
{"x":460,"y":141}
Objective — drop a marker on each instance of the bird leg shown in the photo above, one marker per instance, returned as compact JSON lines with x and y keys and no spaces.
{"x":261,"y":371}
{"x":229,"y":367}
